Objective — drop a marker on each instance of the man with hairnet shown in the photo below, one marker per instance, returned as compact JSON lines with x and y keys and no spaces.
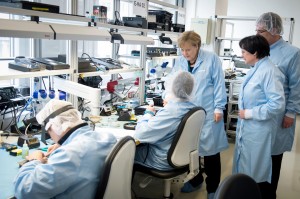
{"x":157,"y":130}
{"x":287,"y":58}
{"x":73,"y":169}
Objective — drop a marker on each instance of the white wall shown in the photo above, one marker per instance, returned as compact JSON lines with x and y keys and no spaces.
{"x":286,"y":8}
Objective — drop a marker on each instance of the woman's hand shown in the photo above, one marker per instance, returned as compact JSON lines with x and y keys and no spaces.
{"x":37,"y":155}
{"x":51,"y":149}
{"x":218,"y":117}
{"x":242,"y":114}
{"x":165,"y":102}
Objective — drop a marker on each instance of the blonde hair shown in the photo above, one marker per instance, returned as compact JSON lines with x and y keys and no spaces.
{"x":190,"y":37}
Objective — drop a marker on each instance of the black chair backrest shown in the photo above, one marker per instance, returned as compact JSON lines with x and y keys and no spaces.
{"x":186,"y":138}
{"x":117,"y":170}
{"x":238,"y":186}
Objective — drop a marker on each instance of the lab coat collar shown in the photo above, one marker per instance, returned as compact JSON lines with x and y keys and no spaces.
{"x":65,"y":137}
{"x":199,"y":60}
{"x":277,"y":43}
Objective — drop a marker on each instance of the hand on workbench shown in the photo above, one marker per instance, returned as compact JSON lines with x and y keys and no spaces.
{"x":51,"y":149}
{"x":37,"y":155}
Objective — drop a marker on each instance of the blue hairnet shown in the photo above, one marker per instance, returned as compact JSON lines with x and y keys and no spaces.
{"x":182,"y":86}
{"x":271,"y":22}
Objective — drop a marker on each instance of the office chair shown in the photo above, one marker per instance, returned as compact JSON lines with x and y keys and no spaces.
{"x":117,"y":173}
{"x":238,"y":186}
{"x":183,"y":154}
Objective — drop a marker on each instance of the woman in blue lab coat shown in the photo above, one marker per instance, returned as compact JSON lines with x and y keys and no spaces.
{"x":156,"y":133}
{"x":73,"y":169}
{"x":210,"y":94}
{"x":261,"y":98}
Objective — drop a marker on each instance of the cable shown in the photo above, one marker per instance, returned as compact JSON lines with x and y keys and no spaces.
{"x":27,"y":128}
{"x":44,"y":83}
{"x":118,"y":19}
{"x":91,"y":60}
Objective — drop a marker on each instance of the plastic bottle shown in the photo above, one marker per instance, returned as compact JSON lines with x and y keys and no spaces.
{"x":25,"y":150}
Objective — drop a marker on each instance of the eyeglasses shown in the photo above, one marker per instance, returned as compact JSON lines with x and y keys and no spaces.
{"x":260,"y":31}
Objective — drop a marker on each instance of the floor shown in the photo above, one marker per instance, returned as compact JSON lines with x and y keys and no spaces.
{"x":288,"y":187}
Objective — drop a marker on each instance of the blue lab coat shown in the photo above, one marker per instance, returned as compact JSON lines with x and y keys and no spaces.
{"x":158,"y":133}
{"x":72,"y":170}
{"x":262,"y":93}
{"x":210,"y":94}
{"x":287,"y":58}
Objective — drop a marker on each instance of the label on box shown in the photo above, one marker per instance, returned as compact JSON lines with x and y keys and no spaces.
{"x":140,"y":8}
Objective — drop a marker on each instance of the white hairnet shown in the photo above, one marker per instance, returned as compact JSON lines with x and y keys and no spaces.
{"x":61,"y":122}
{"x":180,"y":86}
{"x":271,"y":22}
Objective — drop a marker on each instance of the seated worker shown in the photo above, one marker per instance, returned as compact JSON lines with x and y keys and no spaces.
{"x":73,"y":169}
{"x":155,"y":132}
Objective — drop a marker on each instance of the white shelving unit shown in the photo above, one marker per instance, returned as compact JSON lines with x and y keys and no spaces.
{"x":220,"y":29}
{"x":60,"y":29}
{"x":52,"y":26}
{"x":232,"y":114}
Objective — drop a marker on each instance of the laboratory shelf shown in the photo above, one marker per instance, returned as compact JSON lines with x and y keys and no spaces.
{"x":109,"y":72}
{"x":7,"y":73}
{"x":149,"y":58}
{"x":228,"y":38}
{"x":58,"y":16}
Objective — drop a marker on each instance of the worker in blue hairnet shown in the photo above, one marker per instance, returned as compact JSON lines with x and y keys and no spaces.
{"x":287,"y":58}
{"x":156,"y":130}
{"x":73,"y":169}
{"x":261,"y":99}
{"x":210,"y":93}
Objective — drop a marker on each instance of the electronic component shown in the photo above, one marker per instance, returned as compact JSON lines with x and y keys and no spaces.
{"x":84,"y":65}
{"x":32,"y":142}
{"x":26,"y":65}
{"x":15,"y":152}
{"x":7,"y":93}
{"x":109,"y":63}
{"x":155,"y":26}
{"x":8,"y":147}
{"x":130,"y":125}
{"x":162,"y":17}
{"x":28,"y":5}
{"x":138,"y":22}
{"x":178,"y":27}
{"x":51,"y":64}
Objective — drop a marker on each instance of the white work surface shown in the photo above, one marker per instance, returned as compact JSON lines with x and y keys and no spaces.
{"x":117,"y":132}
{"x":111,"y":125}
